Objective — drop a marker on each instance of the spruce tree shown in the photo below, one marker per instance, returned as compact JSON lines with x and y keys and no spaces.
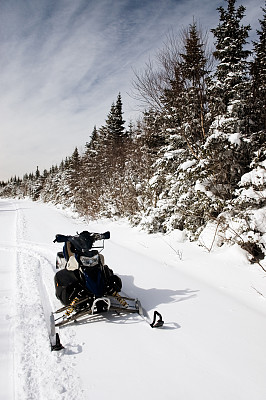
{"x":232,"y":68}
{"x":110,"y":158}
{"x":92,"y":175}
{"x":73,"y":177}
{"x":112,"y":134}
{"x":258,"y":74}
{"x":119,"y":122}
{"x":227,"y":150}
{"x":37,"y":173}
{"x":194,"y":71}
{"x":114,"y":126}
{"x":180,"y":130}
{"x":250,"y":198}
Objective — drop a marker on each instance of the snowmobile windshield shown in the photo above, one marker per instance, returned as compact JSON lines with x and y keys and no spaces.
{"x":82,"y":243}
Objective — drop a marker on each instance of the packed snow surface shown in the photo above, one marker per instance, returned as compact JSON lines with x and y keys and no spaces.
{"x":213,"y":303}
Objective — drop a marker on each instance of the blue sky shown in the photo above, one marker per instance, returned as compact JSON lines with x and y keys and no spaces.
{"x":63,"y":63}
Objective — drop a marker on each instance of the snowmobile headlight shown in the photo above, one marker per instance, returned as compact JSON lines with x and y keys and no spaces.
{"x":89,"y":261}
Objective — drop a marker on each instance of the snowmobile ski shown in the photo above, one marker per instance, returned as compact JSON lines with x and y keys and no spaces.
{"x":53,"y":331}
{"x":157,"y":317}
{"x":54,"y":336}
{"x":157,"y":323}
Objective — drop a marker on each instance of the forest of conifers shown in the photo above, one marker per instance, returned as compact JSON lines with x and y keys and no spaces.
{"x":194,"y":158}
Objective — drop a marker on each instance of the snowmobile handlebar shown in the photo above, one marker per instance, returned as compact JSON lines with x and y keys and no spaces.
{"x":60,"y":238}
{"x":101,"y":236}
{"x":93,"y":236}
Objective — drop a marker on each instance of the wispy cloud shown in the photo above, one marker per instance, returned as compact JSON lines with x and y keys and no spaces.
{"x":63,"y":63}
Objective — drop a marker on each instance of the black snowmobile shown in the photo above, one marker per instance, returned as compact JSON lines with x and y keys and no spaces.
{"x":86,"y":286}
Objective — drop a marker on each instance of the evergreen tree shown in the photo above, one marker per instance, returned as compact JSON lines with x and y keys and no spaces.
{"x":185,"y":126}
{"x":153,"y":140}
{"x":194,"y":71}
{"x":258,"y":74}
{"x":114,"y":126}
{"x":119,"y":122}
{"x":73,"y":177}
{"x":250,"y":195}
{"x":231,"y":71}
{"x":93,"y":138}
{"x":112,"y":156}
{"x":227,"y":150}
{"x":193,"y":64}
{"x":37,"y":173}
{"x":91,"y":175}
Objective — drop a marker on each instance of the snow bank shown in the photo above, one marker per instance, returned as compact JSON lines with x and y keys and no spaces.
{"x":213,"y":304}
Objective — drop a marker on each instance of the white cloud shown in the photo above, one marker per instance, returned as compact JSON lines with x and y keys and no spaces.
{"x":63,"y":63}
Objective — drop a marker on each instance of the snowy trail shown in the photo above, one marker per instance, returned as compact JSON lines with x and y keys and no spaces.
{"x":212,"y":346}
{"x":7,"y":294}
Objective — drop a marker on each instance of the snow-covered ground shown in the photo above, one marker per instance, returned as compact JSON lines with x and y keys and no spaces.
{"x":213,"y":344}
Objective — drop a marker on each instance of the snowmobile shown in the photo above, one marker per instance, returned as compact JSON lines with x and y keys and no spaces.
{"x":87,"y":287}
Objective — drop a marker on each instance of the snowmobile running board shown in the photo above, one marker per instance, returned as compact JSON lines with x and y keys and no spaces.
{"x":116,"y":303}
